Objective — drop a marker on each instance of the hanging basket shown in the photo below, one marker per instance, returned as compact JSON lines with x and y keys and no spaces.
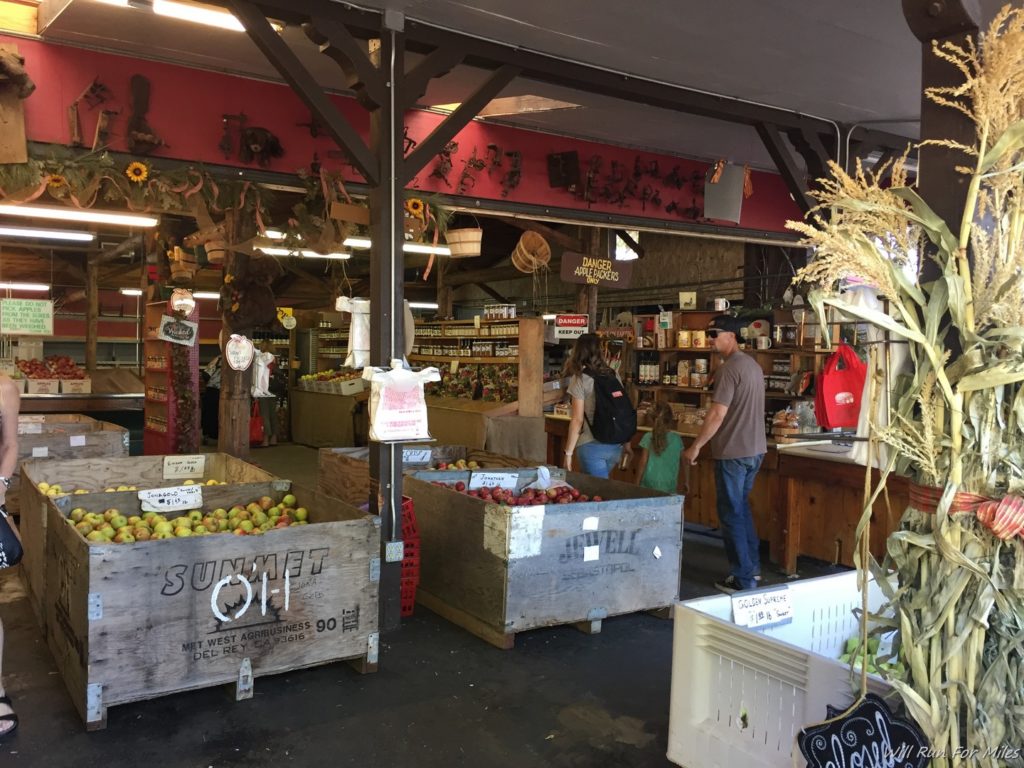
{"x":531,"y":253}
{"x":464,"y":243}
{"x":215,"y":251}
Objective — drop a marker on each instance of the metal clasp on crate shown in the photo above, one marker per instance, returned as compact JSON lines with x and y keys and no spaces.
{"x":243,"y":688}
{"x":372,"y":647}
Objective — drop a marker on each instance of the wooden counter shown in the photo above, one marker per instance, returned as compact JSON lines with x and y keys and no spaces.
{"x":802,"y":505}
{"x":81,"y":403}
{"x":325,"y":420}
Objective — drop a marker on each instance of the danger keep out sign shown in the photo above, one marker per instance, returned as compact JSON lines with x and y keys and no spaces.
{"x":571,"y":326}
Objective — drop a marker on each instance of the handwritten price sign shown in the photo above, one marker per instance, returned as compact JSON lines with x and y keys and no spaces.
{"x":175,"y":499}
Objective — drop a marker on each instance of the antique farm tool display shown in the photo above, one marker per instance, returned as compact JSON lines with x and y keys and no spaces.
{"x":94,"y":94}
{"x":141,"y":137}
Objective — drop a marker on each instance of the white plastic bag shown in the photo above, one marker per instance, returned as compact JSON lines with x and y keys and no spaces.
{"x":398,"y":409}
{"x":545,"y":481}
{"x":358,"y":332}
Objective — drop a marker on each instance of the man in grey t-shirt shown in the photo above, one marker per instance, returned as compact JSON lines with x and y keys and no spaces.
{"x":735,"y":428}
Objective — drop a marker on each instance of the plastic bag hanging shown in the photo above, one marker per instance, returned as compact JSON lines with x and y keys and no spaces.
{"x":358,"y":332}
{"x":398,"y":408}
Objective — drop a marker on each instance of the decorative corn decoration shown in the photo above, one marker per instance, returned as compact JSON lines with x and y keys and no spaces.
{"x":956,"y":424}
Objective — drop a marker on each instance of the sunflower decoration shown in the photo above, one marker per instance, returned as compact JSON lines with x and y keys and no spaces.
{"x":415,"y":208}
{"x":136,"y":172}
{"x":56,"y":182}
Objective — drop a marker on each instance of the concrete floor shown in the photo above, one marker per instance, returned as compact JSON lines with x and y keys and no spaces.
{"x":441,"y":698}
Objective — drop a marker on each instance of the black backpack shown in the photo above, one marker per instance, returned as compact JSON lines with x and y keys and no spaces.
{"x":614,"y":415}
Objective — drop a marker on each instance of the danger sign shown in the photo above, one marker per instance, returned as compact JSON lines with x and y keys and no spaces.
{"x":571,"y":326}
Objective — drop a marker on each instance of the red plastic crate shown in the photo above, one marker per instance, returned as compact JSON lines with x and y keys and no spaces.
{"x":410,"y":530}
{"x":407,"y":597}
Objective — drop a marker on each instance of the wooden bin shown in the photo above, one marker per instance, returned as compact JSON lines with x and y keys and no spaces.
{"x":497,"y":570}
{"x":63,"y":436}
{"x":345,"y":472}
{"x":95,"y":475}
{"x":131,"y":622}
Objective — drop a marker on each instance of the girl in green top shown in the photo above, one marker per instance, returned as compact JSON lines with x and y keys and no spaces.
{"x":661,"y":452}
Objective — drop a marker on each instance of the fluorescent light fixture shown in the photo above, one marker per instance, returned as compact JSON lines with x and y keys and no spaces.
{"x":72,"y":214}
{"x":131,"y":291}
{"x":422,"y":305}
{"x":276,"y":234}
{"x":548,"y":317}
{"x":47,"y":234}
{"x":306,"y":254}
{"x":205,"y":295}
{"x":199,"y":13}
{"x":365,"y":242}
{"x":24,"y":287}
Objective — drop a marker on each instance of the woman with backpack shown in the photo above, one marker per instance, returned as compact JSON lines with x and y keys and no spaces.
{"x":601,"y":418}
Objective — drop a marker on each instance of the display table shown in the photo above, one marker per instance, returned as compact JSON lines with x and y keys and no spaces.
{"x":322,"y":419}
{"x":91,"y":403}
{"x":804,"y":502}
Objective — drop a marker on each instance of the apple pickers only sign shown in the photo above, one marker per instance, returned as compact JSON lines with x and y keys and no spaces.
{"x":595,"y":270}
{"x":571,"y":326}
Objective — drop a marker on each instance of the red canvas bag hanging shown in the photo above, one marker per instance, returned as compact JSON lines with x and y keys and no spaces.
{"x":255,"y":425}
{"x":839,"y":388}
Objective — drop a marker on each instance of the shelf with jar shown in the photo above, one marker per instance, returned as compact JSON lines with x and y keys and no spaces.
{"x":171,"y":379}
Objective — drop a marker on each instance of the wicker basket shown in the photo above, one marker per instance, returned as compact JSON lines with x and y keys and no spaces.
{"x":464,"y":243}
{"x":531,"y":253}
{"x":216,"y":251}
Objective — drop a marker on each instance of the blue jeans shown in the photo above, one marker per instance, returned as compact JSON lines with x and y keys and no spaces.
{"x":734,"y":479}
{"x":598,"y":459}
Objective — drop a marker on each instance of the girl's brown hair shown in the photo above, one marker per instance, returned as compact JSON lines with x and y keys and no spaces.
{"x":664,"y":422}
{"x":586,"y":353}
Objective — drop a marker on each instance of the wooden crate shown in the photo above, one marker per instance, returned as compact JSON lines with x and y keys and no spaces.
{"x":63,"y":436}
{"x":130,"y":622}
{"x":345,"y":472}
{"x":498,"y":570}
{"x":95,"y":475}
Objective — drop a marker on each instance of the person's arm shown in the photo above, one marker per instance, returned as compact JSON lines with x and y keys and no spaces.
{"x":576,"y":413}
{"x":11,"y":402}
{"x":641,"y":466}
{"x":712,"y":423}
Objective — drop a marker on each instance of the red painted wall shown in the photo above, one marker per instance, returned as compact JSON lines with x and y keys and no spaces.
{"x":186,"y":107}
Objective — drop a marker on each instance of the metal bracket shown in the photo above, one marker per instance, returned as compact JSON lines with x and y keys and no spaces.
{"x":394,"y":551}
{"x":372,"y":647}
{"x":596,"y":614}
{"x":243,"y":688}
{"x":95,"y":606}
{"x":93,"y":702}
{"x":374,"y":569}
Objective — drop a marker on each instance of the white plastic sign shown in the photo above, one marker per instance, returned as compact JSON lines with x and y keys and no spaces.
{"x":758,"y":609}
{"x":416,"y":455}
{"x":32,"y":428}
{"x":239,"y":352}
{"x":492,"y":480}
{"x":77,"y":441}
{"x":571,"y":326}
{"x":184,"y":467}
{"x":40,"y":452}
{"x":175,"y":499}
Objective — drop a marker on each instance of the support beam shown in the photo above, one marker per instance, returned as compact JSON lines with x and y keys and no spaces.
{"x":306,"y":87}
{"x":456,"y":121}
{"x":92,"y":311}
{"x":235,"y":386}
{"x":492,"y":293}
{"x":435,"y":64}
{"x":549,"y":233}
{"x":126,"y":247}
{"x":338,"y":44}
{"x":794,"y":177}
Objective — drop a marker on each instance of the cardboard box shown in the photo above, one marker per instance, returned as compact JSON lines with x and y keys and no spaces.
{"x":42,"y":386}
{"x":76,"y":386}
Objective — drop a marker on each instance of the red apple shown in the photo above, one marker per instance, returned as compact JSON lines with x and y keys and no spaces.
{"x":460,"y":486}
{"x":596,"y":498}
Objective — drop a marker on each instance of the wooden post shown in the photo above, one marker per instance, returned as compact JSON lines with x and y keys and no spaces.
{"x":444,"y":292}
{"x":531,"y":366}
{"x":92,"y":311}
{"x":235,"y":386}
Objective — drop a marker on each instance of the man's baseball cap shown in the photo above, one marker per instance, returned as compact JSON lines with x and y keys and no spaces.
{"x":728,"y":323}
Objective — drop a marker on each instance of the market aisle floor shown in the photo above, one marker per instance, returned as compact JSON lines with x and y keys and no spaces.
{"x":441,"y":698}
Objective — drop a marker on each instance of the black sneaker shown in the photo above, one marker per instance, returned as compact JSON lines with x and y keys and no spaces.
{"x":729,"y":585}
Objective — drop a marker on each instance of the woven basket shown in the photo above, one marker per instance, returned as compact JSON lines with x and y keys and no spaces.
{"x":464,"y":243}
{"x":531,"y":253}
{"x":216,"y":251}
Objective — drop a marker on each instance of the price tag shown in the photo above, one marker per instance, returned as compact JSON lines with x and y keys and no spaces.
{"x":454,"y":367}
{"x":184,"y":467}
{"x":762,"y":608}
{"x":172,"y":499}
{"x":33,"y":428}
{"x":77,"y":441}
{"x":492,"y":480}
{"x":40,"y":452}
{"x":416,"y":455}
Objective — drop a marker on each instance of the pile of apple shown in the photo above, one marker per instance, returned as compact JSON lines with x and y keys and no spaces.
{"x":563,"y":494}
{"x":254,"y":519}
{"x":56,"y":489}
{"x":54,"y":367}
{"x":460,"y":464}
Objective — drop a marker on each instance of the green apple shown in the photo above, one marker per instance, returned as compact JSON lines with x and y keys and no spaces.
{"x":222,"y":525}
{"x":77,"y":515}
{"x":93,"y":518}
{"x":181,"y":531}
{"x":233,"y":522}
{"x":149,"y":515}
{"x":118,"y":521}
{"x":288,"y":500}
{"x":124,"y":537}
{"x":95,"y":537}
{"x":246,"y":525}
{"x":253,"y":508}
{"x":200,"y":530}
{"x":220,"y":513}
{"x":163,"y":527}
{"x":195,"y":515}
{"x":83,"y":528}
{"x":259,"y":518}
{"x":301,"y":514}
{"x":266,"y":526}
{"x":110,"y":514}
{"x":163,"y":535}
{"x":182,"y":522}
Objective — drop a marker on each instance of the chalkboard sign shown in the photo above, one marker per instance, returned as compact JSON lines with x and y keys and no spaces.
{"x":869,"y":735}
{"x":26,"y":317}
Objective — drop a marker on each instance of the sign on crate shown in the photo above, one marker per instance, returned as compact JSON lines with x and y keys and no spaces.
{"x":184,"y":467}
{"x":175,"y":499}
{"x":417,"y":455}
{"x":26,"y":317}
{"x":762,"y":608}
{"x":493,"y":480}
{"x":868,"y":735}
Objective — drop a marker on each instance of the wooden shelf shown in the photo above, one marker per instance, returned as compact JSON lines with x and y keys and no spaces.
{"x":789,"y":351}
{"x":693,"y":350}
{"x":673,"y":388}
{"x":467,"y":360}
